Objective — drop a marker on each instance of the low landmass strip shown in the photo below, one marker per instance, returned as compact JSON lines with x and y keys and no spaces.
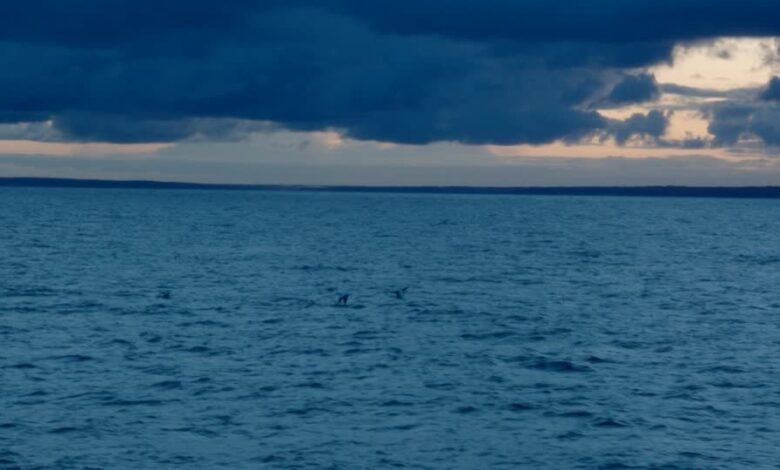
{"x":764,"y":192}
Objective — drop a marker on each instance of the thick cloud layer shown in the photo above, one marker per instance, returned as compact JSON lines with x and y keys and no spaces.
{"x":651,"y":126}
{"x":772,"y":91}
{"x":594,"y":21}
{"x":498,"y":71}
{"x":634,"y":89}
{"x":735,"y":123}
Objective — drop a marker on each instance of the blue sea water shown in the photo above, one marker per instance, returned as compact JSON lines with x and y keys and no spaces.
{"x":199,"y":329}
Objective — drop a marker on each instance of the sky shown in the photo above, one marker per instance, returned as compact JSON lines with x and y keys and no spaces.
{"x":424,"y":92}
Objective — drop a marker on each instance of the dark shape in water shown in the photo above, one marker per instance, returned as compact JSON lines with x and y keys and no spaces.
{"x":399,"y":294}
{"x":166,"y":294}
{"x":343,"y":300}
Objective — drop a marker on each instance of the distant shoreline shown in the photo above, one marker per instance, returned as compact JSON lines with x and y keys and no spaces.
{"x":742,"y":192}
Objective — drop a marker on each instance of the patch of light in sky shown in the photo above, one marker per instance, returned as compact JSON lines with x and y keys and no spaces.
{"x":722,"y":64}
{"x":687,"y":125}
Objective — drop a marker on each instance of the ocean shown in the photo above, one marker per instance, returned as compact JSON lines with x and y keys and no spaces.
{"x":171,"y":329}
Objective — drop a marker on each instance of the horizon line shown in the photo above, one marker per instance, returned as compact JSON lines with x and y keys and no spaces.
{"x":753,"y":192}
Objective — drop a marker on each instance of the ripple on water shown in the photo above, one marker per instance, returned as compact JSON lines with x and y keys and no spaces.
{"x":168,"y":385}
{"x":609,"y":423}
{"x":556,"y":365}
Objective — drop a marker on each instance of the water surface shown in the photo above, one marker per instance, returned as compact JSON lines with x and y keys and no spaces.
{"x":199,"y":329}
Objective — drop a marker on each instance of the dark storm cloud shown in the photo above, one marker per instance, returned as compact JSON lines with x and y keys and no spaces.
{"x":732,"y":123}
{"x":772,"y":90}
{"x":123,"y":129}
{"x":634,"y":89}
{"x":500,"y":71}
{"x":595,"y":21}
{"x":652,"y":125}
{"x":599,"y":21}
{"x":692,"y":91}
{"x":735,"y":121}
